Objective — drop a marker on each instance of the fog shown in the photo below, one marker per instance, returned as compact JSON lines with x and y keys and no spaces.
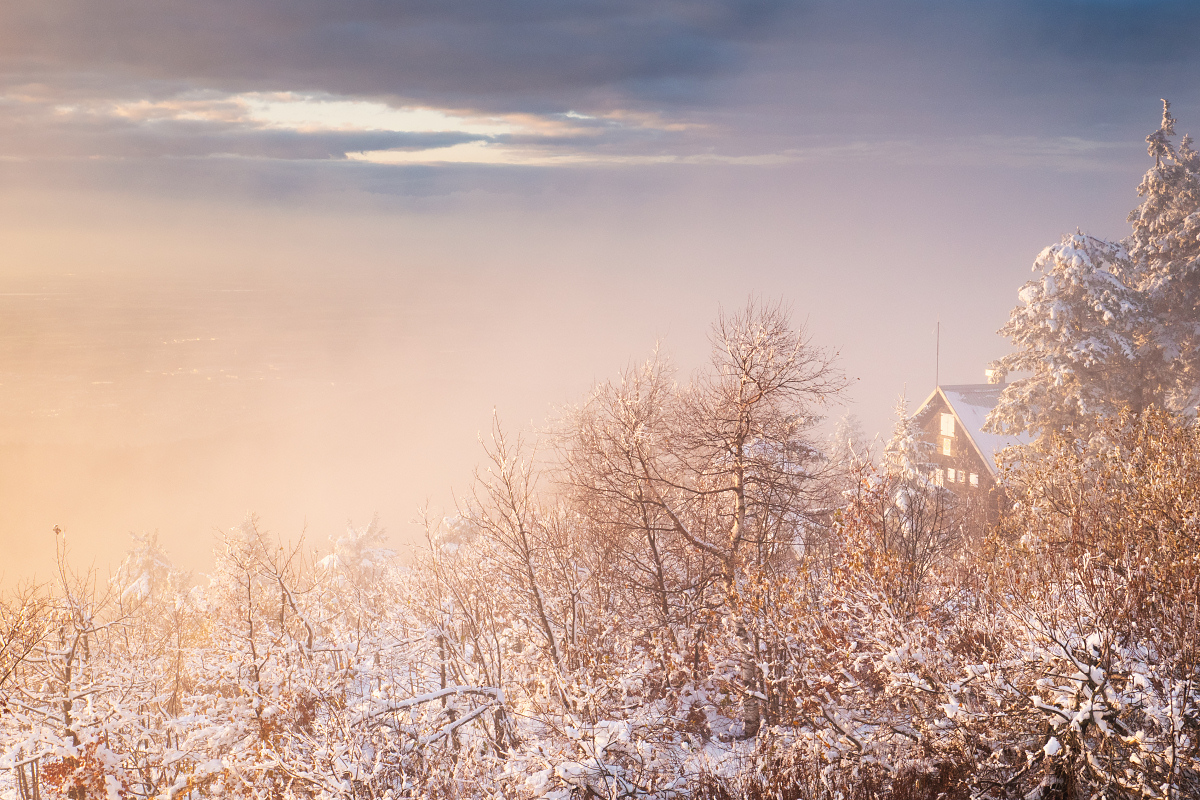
{"x":174,"y":361}
{"x":289,"y":260}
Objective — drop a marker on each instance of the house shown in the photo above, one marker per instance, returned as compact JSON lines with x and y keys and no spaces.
{"x":964,"y":455}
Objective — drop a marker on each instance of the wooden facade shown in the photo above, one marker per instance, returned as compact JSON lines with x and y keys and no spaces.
{"x":963,"y":456}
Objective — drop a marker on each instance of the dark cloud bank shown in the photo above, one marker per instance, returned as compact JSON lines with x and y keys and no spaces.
{"x":547,"y":55}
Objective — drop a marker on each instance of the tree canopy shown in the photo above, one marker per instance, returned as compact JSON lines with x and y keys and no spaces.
{"x":1106,"y":326}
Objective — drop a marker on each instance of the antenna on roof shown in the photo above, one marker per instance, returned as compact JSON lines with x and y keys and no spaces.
{"x":937,"y":357}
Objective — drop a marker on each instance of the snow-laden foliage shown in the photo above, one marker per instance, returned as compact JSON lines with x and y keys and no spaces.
{"x":359,"y":555}
{"x":664,"y":610}
{"x":908,"y":454}
{"x":901,"y":526}
{"x":1080,"y":332}
{"x":1111,"y":325}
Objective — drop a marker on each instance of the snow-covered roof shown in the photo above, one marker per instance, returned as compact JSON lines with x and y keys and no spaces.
{"x":970,"y":403}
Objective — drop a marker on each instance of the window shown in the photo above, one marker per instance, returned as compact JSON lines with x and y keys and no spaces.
{"x":950,"y":474}
{"x":947,"y":424}
{"x":962,"y":476}
{"x":974,"y":479}
{"x":945,"y":446}
{"x":938,"y":477}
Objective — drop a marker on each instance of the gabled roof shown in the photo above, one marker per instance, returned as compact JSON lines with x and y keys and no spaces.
{"x":970,"y":404}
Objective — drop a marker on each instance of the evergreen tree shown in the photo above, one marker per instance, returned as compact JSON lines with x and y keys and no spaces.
{"x":1112,"y":325}
{"x":908,"y":454}
{"x":1080,"y":331}
{"x":849,"y":453}
{"x":1165,"y":244}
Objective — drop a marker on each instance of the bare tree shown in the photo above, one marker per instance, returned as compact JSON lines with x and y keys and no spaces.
{"x":609,"y":447}
{"x":723,"y":473}
{"x":506,"y":510}
{"x":23,"y":625}
{"x":906,"y":528}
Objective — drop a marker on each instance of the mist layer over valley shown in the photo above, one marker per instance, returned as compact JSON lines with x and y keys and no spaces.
{"x":173,"y":365}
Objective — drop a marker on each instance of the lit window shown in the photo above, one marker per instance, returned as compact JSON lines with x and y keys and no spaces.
{"x":950,"y":474}
{"x":962,"y":476}
{"x":947,"y":424}
{"x":945,"y":447}
{"x":938,"y":477}
{"x":974,"y":479}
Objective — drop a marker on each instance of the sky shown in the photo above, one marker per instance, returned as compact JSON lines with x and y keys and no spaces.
{"x":290,"y":258}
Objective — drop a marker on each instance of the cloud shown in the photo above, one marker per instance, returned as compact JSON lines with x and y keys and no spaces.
{"x":601,"y":83}
{"x":524,"y":53}
{"x":141,"y":129}
{"x":291,"y":111}
{"x":41,"y":123}
{"x":1128,"y":33}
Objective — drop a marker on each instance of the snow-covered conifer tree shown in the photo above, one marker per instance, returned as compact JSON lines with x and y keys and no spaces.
{"x":1081,"y":333}
{"x":907,"y":453}
{"x":1165,"y":244}
{"x":145,"y":570}
{"x":850,"y":452}
{"x":1113,"y":325}
{"x":360,"y":554}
